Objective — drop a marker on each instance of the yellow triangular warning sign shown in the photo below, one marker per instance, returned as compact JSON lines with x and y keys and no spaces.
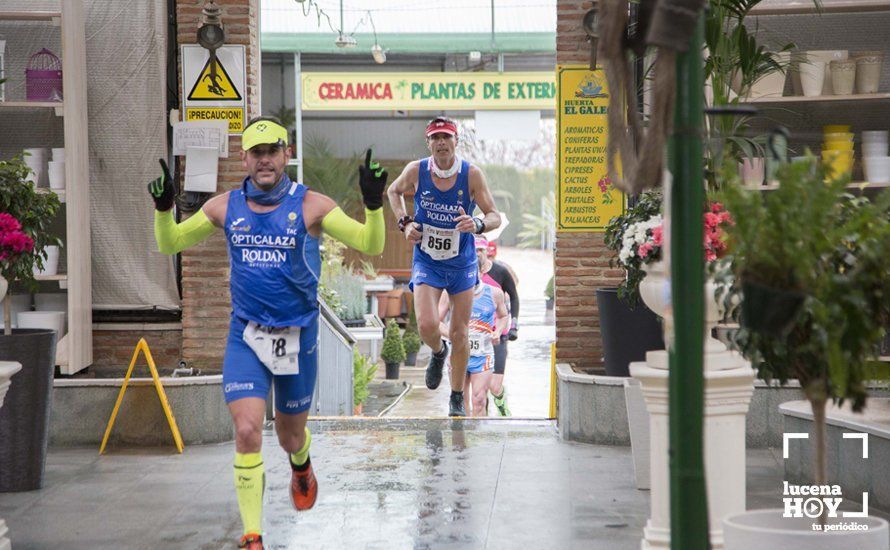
{"x":168,"y":412}
{"x":214,"y":86}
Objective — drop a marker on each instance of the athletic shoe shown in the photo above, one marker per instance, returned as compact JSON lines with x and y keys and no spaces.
{"x":501,"y":403}
{"x":434,"y":368}
{"x":251,"y":541}
{"x":303,"y":486}
{"x":456,"y":405}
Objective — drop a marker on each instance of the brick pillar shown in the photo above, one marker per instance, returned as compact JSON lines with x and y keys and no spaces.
{"x":582,"y":260}
{"x":206,"y":303}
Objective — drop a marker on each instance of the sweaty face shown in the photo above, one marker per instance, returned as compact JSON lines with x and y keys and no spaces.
{"x":265,"y":164}
{"x":442,"y":147}
{"x":482,"y":257}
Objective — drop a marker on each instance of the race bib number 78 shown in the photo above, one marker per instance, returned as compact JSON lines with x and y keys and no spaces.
{"x":278,"y":348}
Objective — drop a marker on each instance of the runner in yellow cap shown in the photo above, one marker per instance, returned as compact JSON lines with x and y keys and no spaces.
{"x":272,"y":228}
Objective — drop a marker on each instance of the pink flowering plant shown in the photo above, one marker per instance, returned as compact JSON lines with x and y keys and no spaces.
{"x":25,"y":218}
{"x":638,"y":240}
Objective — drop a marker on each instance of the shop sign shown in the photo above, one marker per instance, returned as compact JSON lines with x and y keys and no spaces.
{"x":428,"y":91}
{"x":585,"y":196}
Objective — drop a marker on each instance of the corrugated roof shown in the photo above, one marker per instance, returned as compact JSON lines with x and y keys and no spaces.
{"x":286,"y":26}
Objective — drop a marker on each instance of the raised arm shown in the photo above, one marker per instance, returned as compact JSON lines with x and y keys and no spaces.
{"x":322,"y":213}
{"x":173,"y":237}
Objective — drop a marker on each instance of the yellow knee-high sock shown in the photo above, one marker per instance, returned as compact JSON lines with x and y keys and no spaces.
{"x":250,"y":483}
{"x":300,"y":457}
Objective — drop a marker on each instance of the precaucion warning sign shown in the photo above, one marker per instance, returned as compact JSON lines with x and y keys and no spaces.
{"x":216,"y":91}
{"x":585,"y":195}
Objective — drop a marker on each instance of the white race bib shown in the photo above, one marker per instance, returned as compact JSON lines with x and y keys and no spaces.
{"x":277,"y":347}
{"x":440,"y":244}
{"x":480,"y":344}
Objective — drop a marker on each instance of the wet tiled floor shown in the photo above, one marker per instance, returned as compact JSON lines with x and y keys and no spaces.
{"x":383,"y":484}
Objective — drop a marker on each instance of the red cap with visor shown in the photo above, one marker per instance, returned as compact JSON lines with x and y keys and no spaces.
{"x":440,"y":126}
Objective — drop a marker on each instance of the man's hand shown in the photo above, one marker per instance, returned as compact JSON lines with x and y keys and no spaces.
{"x":372,"y":180}
{"x":413,"y":232}
{"x":161,"y":189}
{"x":513,"y":333}
{"x":468,"y":224}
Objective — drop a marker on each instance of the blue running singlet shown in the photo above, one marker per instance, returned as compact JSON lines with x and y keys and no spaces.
{"x":275,"y":265}
{"x":482,"y":325}
{"x":444,"y":258}
{"x":275,"y":262}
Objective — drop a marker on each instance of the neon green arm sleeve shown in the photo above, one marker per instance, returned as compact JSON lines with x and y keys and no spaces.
{"x":368,"y":238}
{"x":175,"y":237}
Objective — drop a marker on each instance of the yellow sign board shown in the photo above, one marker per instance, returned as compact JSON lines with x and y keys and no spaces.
{"x":168,"y":412}
{"x":234,"y":115}
{"x":214,"y":85}
{"x":428,"y":91}
{"x":585,"y":195}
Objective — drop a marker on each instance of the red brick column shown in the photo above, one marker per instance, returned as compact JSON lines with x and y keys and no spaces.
{"x":582,"y":261}
{"x":205,"y":268}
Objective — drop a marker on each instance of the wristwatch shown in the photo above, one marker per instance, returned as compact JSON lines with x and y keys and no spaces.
{"x":404,"y":221}
{"x":480,"y":226}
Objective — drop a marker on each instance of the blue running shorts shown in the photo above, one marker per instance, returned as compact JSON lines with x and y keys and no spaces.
{"x":454,"y":281}
{"x":475,"y":365}
{"x":244,"y":375}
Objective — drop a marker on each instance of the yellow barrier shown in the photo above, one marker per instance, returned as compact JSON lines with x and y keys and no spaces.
{"x":553,"y":380}
{"x":143,"y":346}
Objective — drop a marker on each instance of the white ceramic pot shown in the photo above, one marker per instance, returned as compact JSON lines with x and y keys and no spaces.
{"x":56,"y":170}
{"x":812,"y":77}
{"x":843,"y":76}
{"x":768,"y":529}
{"x":874,"y":150}
{"x":36,"y":161}
{"x":877,"y":169}
{"x":7,"y":370}
{"x":875,"y":136}
{"x":827,"y":56}
{"x":868,"y":73}
{"x":51,"y":264}
{"x":752,"y":171}
{"x":773,"y":84}
{"x":50,"y":320}
{"x":55,"y":301}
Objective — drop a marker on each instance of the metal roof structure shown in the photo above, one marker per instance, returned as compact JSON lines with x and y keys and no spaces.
{"x":403,"y":26}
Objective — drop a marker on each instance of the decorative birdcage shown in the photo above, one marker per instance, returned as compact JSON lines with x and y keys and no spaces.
{"x":43,"y":77}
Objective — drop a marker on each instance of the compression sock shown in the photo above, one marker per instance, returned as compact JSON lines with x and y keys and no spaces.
{"x":299,"y":458}
{"x":250,"y":482}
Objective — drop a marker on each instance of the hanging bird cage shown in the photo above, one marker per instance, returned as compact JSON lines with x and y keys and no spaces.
{"x":43,"y":77}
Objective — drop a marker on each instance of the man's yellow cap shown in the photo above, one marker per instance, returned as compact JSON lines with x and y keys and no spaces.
{"x":262,"y":132}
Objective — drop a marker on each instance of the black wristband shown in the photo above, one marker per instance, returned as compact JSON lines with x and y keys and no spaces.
{"x":480,"y":226}
{"x":404,"y":221}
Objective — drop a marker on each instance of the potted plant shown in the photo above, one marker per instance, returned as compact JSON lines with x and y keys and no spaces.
{"x":393,"y":352}
{"x":24,"y":421}
{"x":812,"y":244}
{"x":629,"y":329}
{"x":549,"y":293}
{"x":363,"y":371}
{"x":342,"y":288}
{"x":411,"y":340}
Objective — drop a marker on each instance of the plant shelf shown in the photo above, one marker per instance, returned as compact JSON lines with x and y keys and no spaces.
{"x":53,"y":16}
{"x":789,"y":7}
{"x":60,"y":277}
{"x":59,"y":106}
{"x":881,"y":96}
{"x":854,"y":185}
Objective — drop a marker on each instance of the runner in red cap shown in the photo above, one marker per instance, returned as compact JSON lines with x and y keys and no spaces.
{"x":446,"y":191}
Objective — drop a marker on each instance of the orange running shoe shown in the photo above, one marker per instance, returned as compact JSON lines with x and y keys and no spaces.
{"x":251,"y":541}
{"x":303,"y":487}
